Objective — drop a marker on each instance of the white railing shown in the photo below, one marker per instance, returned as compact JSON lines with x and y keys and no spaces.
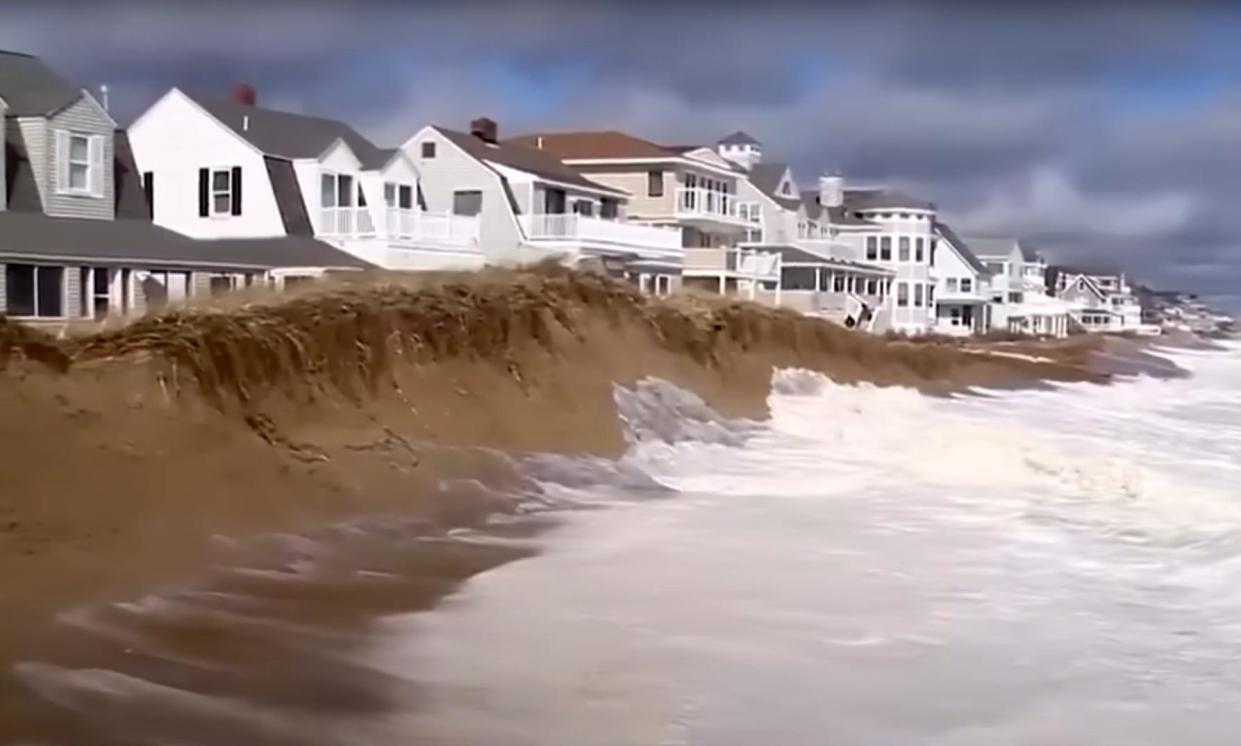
{"x":571,"y":226}
{"x":398,"y":225}
{"x":346,"y":222}
{"x":707,"y":203}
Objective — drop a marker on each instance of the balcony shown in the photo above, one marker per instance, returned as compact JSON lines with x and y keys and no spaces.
{"x":600,"y":233}
{"x":732,"y":262}
{"x":397,"y":225}
{"x":709,"y":208}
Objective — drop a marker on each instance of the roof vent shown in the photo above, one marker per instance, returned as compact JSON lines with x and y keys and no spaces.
{"x":485,"y":129}
{"x":244,"y":94}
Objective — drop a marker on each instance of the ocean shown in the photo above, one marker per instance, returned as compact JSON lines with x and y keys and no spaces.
{"x":870,"y":566}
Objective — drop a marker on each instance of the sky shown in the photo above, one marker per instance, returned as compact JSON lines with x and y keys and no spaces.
{"x":1100,"y":132}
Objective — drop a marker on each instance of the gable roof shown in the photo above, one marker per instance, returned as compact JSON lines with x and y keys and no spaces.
{"x":794,"y":255}
{"x":766,"y":178}
{"x":840,"y":215}
{"x":288,"y":135}
{"x":541,"y":163}
{"x":991,"y":247}
{"x":31,"y":88}
{"x":597,"y":144}
{"x":962,"y":248}
{"x":738,"y":138}
{"x":877,"y":199}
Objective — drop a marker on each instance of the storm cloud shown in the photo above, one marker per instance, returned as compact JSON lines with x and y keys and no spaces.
{"x":1106,"y":132}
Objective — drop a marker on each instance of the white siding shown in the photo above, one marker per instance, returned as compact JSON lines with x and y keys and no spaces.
{"x":634,"y":181}
{"x":82,"y":117}
{"x":452,"y":169}
{"x":34,"y":135}
{"x":340,"y":160}
{"x":173,"y":140}
{"x":4,"y":297}
{"x":910,"y":273}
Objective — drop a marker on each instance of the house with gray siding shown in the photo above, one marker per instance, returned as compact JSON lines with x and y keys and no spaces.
{"x":76,"y":237}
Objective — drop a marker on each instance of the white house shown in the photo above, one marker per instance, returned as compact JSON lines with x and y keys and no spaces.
{"x":1102,"y":300}
{"x":76,"y":237}
{"x":1020,"y":302}
{"x":531,"y":206}
{"x":962,"y":287}
{"x":227,"y":168}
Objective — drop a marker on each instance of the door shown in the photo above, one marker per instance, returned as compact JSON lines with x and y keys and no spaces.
{"x":554,"y":201}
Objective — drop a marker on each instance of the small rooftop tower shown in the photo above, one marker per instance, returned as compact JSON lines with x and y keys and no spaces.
{"x":740,"y":148}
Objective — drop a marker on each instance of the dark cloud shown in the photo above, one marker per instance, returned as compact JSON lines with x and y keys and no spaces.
{"x":1099,"y":130}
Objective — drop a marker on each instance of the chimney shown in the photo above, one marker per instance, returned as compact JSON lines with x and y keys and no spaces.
{"x":485,"y":129}
{"x":832,"y":190}
{"x":244,"y":94}
{"x":103,"y":96}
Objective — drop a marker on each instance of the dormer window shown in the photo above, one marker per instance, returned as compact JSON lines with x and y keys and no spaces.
{"x":80,"y":163}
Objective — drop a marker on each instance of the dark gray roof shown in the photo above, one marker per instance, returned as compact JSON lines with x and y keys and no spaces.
{"x":766,"y":178}
{"x":1029,"y":253}
{"x":739,"y":138}
{"x":31,"y":88}
{"x":962,"y":248}
{"x":810,"y":199}
{"x":36,"y":236}
{"x":23,"y":191}
{"x":127,"y":181}
{"x":992,"y":246}
{"x":531,"y":160}
{"x":840,"y":215}
{"x":878,"y":199}
{"x":288,"y":135}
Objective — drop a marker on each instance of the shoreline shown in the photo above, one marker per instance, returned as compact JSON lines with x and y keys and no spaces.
{"x":139,"y":446}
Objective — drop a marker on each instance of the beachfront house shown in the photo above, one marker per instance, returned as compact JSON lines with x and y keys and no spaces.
{"x":531,"y":206}
{"x":690,"y":190}
{"x":962,"y":287}
{"x":224,"y":167}
{"x":1102,"y":300}
{"x":1020,"y":302}
{"x":76,"y":237}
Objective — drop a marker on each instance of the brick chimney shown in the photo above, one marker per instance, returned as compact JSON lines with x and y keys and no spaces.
{"x":485,"y":129}
{"x":244,"y":93}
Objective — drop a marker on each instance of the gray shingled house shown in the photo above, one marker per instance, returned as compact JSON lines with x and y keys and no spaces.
{"x":76,"y":237}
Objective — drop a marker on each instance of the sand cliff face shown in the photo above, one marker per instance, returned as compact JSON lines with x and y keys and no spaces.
{"x":124,"y":453}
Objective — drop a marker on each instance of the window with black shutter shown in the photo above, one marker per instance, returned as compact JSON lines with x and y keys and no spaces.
{"x":148,"y":191}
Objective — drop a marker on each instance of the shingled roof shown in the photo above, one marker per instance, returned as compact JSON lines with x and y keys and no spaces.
{"x":288,"y":135}
{"x":738,"y":138}
{"x":515,"y":154}
{"x":962,"y":248}
{"x":591,"y":145}
{"x":766,"y":178}
{"x":31,"y":88}
{"x":878,"y":199}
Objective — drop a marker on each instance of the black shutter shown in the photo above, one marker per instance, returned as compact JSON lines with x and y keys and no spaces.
{"x":204,"y":204}
{"x":236,"y":190}
{"x":148,"y":190}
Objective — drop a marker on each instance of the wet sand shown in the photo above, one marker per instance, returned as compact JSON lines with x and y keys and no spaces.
{"x":128,"y":455}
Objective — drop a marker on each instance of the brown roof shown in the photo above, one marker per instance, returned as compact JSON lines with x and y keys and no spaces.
{"x":594,"y":144}
{"x":516,"y":155}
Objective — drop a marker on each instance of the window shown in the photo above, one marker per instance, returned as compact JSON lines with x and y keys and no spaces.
{"x":161,"y":288}
{"x":872,"y":247}
{"x":902,"y":294}
{"x":967,"y":285}
{"x":584,"y":207}
{"x":79,"y":163}
{"x":918,"y":295}
{"x":221,"y":192}
{"x":467,"y":202}
{"x":885,"y":249}
{"x":655,"y":183}
{"x":663,"y":284}
{"x":95,"y":293}
{"x":428,"y":150}
{"x":786,"y":188}
{"x":839,"y":284}
{"x":1014,"y":297}
{"x":903,"y":243}
{"x":934,"y":247}
{"x":35,"y":290}
{"x":389,"y":194}
{"x":398,"y":195}
{"x":930,"y":295}
{"x":918,"y":246}
{"x":336,"y":190}
{"x":872,"y":286}
{"x":904,"y":216}
{"x":952,"y":284}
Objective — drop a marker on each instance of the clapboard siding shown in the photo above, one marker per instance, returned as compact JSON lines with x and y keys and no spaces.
{"x":85,"y":118}
{"x":34,"y":136}
{"x":73,"y":291}
{"x":452,"y":169}
{"x":4,"y":297}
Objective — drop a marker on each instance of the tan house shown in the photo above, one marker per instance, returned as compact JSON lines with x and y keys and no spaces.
{"x":690,"y":188}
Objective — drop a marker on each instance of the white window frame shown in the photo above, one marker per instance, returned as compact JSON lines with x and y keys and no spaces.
{"x":34,"y":278}
{"x":227,"y":192}
{"x":93,"y":185}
